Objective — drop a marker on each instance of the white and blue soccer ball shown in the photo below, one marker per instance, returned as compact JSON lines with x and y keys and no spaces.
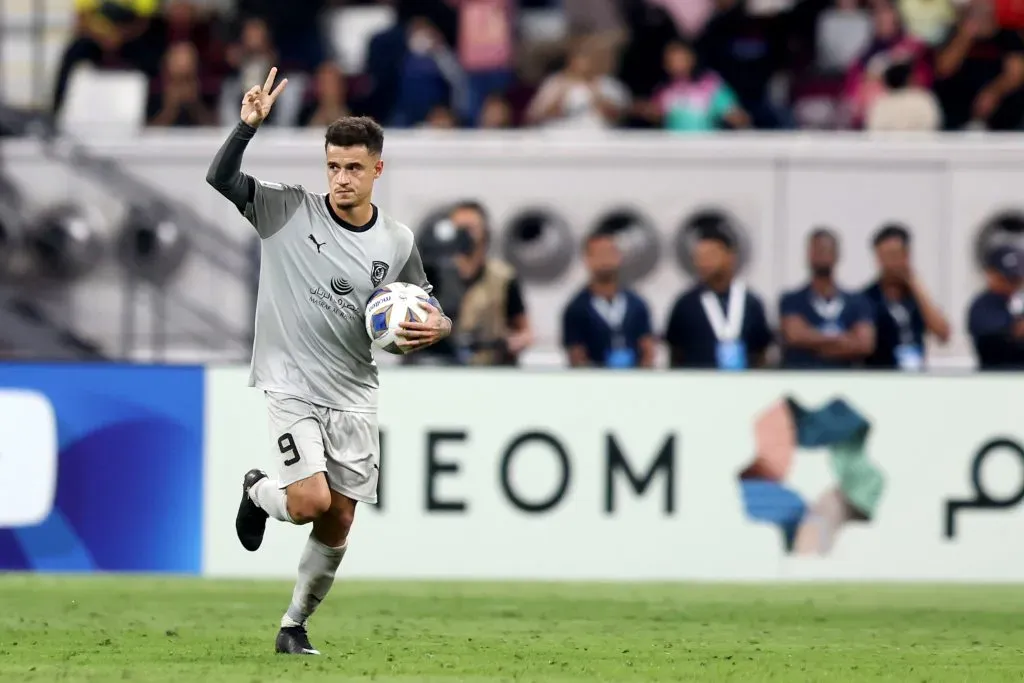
{"x":388,"y":307}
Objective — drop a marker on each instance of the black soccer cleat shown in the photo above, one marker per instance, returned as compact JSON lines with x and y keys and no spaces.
{"x":293,"y":640}
{"x":251,"y":521}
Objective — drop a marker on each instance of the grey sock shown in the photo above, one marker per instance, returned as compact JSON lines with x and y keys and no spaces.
{"x":271,"y":499}
{"x":317,"y":568}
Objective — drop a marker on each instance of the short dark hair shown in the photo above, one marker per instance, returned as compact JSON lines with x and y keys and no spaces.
{"x":891,"y":231}
{"x":471,"y":205}
{"x":824,"y":233}
{"x":356,"y":131}
{"x":596,"y":235}
{"x":715,"y":234}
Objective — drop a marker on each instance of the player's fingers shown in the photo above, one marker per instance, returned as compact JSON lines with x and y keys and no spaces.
{"x":427,"y":306}
{"x":411,"y":325}
{"x":270,"y":79}
{"x":278,"y":90}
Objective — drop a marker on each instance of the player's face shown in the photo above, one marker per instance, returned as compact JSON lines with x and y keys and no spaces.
{"x":711,"y":259}
{"x":603,"y":259}
{"x":893,"y":258}
{"x":351,"y":172}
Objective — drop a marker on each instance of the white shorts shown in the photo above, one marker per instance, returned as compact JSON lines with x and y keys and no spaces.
{"x":307,"y":438}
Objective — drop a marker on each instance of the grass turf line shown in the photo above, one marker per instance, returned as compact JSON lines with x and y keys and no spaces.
{"x":110,"y":628}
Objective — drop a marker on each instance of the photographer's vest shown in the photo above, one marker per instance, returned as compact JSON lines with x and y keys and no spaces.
{"x":482,"y":313}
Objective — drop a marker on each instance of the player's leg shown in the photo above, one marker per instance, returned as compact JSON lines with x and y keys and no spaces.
{"x":325,"y":548}
{"x":352,"y":442}
{"x":300,"y":494}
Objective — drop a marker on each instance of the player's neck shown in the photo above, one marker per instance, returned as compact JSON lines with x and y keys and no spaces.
{"x":358,"y":215}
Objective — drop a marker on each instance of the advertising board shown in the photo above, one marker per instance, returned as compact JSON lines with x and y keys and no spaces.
{"x":636,"y":476}
{"x":100,"y":468}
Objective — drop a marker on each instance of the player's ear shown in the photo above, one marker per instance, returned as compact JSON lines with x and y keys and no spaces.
{"x":378,"y":168}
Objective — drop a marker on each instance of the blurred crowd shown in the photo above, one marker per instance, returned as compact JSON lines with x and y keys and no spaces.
{"x":681,"y":65}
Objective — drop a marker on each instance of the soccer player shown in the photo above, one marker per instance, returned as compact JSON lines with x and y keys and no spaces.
{"x":323,"y":255}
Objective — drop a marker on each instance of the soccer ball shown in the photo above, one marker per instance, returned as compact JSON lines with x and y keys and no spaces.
{"x":388,"y":307}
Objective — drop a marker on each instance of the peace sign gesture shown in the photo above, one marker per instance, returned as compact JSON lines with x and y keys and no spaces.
{"x":257,"y":102}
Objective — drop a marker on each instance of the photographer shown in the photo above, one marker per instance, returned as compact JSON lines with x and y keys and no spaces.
{"x":480,"y":294}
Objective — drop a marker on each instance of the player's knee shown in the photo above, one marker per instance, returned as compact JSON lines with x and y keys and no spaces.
{"x":343,"y":519}
{"x":309,"y":503}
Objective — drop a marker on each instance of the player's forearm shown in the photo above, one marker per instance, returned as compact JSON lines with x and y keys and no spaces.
{"x":225,"y":174}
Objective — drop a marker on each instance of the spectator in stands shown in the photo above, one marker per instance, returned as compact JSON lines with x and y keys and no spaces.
{"x":491,"y":326}
{"x":980,"y":71}
{"x":719,"y":322}
{"x":115,"y":33}
{"x":902,"y":106}
{"x":441,"y":118}
{"x":431,"y":76}
{"x":387,"y":51}
{"x":642,"y":63}
{"x":694,"y":99}
{"x":865,"y":81}
{"x":823,"y":326}
{"x":249,"y":60}
{"x":496,"y":113}
{"x":330,"y":98}
{"x":179,"y":101}
{"x":746,"y":51}
{"x":486,"y":49}
{"x":904,"y":312}
{"x":996,"y":316}
{"x":580,"y":96}
{"x":183,"y":22}
{"x":296,"y":31}
{"x":606,"y":325}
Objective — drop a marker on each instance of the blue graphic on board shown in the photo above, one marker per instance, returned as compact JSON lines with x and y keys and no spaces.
{"x":129,"y":492}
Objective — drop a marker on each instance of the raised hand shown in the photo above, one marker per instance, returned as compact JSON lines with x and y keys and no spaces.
{"x":259,"y":100}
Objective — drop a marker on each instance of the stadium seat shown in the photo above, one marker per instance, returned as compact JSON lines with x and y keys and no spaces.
{"x":842,"y":36}
{"x":102,"y":103}
{"x":351,"y":30}
{"x":543,"y":25}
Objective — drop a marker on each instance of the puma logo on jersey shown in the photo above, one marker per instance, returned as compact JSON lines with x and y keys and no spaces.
{"x":318,"y":244}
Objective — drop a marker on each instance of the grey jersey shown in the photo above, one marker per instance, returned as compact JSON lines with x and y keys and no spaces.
{"x":316,"y":275}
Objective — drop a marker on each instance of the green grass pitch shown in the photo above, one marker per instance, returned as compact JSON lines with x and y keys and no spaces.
{"x":196,"y":631}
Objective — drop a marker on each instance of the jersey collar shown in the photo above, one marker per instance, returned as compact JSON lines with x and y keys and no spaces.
{"x":344,"y":223}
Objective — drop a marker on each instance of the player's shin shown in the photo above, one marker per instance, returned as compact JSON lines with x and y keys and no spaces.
{"x":272,"y":499}
{"x":317,"y":569}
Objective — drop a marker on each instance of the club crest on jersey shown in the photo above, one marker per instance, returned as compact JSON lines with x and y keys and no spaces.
{"x":378,"y":271}
{"x":340,"y":286}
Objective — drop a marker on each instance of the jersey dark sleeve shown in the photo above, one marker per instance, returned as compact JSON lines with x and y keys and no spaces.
{"x":225,"y":174}
{"x":514,"y":304}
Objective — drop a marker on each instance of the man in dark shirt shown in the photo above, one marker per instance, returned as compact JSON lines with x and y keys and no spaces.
{"x":823,"y":326}
{"x":903,"y":310}
{"x":719,"y":323}
{"x":996,"y":317}
{"x":606,"y":325}
{"x":979,"y":72}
